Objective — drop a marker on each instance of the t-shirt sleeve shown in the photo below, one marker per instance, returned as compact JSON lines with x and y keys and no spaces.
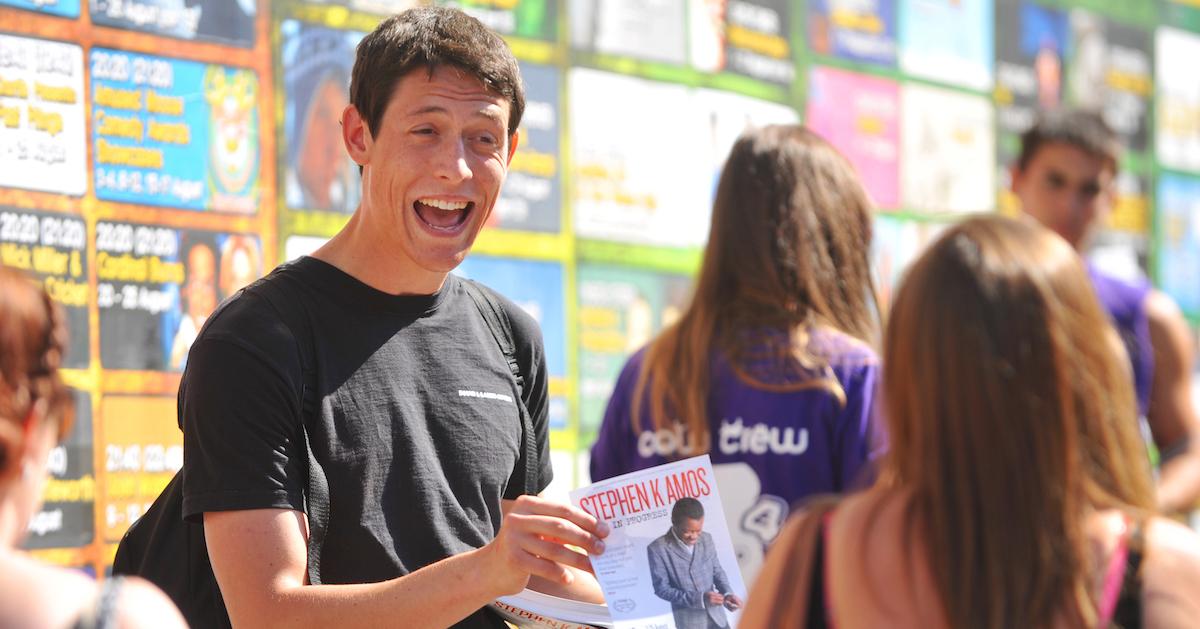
{"x":531,"y":359}
{"x":616,"y":443}
{"x":239,"y":405}
{"x":859,"y":436}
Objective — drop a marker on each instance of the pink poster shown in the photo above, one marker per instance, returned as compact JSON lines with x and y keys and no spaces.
{"x":859,"y":115}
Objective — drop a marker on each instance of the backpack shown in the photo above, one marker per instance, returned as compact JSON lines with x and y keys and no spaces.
{"x":170,"y":552}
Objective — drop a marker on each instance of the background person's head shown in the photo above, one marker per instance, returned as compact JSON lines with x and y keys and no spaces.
{"x":424,"y":39}
{"x":35,"y":406}
{"x":788,"y":249}
{"x":687,"y":520}
{"x":1065,"y":173}
{"x":1010,"y":415}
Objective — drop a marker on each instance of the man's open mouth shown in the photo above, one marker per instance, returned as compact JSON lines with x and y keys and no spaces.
{"x":443,"y":215}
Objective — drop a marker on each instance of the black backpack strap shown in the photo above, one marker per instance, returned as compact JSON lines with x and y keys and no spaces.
{"x":316,"y":498}
{"x":497,"y":321}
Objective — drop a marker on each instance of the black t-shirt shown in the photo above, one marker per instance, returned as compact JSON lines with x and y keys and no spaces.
{"x":417,"y":426}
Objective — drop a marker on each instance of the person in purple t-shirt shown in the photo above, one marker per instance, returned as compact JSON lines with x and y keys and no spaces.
{"x":1065,"y":178}
{"x":770,"y":369}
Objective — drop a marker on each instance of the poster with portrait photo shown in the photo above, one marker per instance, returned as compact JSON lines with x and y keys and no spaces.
{"x":652,"y":30}
{"x":42,"y":116}
{"x":315,"y":63}
{"x":157,"y":285}
{"x":669,"y":548}
{"x":620,"y":311}
{"x":537,"y":287}
{"x":220,"y":21}
{"x":947,"y":141}
{"x":949,"y":41}
{"x":860,"y":116}
{"x":1110,"y":70}
{"x":857,"y":30}
{"x":1177,"y":138}
{"x":66,"y":517}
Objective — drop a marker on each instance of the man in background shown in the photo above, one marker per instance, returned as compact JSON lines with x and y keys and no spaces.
{"x":1065,"y":179}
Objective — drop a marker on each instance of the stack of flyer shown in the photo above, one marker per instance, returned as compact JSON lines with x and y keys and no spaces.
{"x":668,"y":563}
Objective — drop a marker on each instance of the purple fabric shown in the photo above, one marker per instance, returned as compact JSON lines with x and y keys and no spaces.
{"x":1126,"y":306}
{"x":769,"y":448}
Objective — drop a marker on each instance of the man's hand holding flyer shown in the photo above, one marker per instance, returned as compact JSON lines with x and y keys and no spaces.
{"x":669,"y":562}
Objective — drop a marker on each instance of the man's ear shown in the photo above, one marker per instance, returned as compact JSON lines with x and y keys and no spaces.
{"x":355,"y":135}
{"x":513,"y":141}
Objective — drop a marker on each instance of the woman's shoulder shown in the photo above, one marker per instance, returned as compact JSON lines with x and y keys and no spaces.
{"x":840,"y":349}
{"x":1170,"y":574}
{"x":36,"y":594}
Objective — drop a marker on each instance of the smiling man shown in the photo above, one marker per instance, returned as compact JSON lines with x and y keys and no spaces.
{"x":686,"y":572}
{"x":409,"y":404}
{"x":1065,"y":179}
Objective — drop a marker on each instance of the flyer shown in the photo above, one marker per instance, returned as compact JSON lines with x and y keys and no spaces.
{"x":668,"y":561}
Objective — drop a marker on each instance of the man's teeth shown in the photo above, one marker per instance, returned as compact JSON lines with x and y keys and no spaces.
{"x":444,"y":205}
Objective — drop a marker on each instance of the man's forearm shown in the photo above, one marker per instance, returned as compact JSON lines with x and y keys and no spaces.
{"x":437,"y":595}
{"x":1179,"y":481}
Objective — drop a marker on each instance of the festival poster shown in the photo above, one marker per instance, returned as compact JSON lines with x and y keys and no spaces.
{"x":157,"y":285}
{"x":531,"y":19}
{"x":1179,"y":226}
{"x":858,"y":30}
{"x":174,"y":133}
{"x":947,"y":151}
{"x":42,"y":116}
{"x":537,"y":287}
{"x":220,"y":21}
{"x":67,"y":516}
{"x":653,"y":30}
{"x":620,"y":311}
{"x":531,"y":199}
{"x":747,"y":37}
{"x":948,"y":41}
{"x":52,"y":248}
{"x":60,"y":8}
{"x":860,"y":115}
{"x":726,"y":116}
{"x":665,"y":521}
{"x":317,"y":173}
{"x":142,"y":448}
{"x":1109,"y":70}
{"x":637,"y":160}
{"x":1178,"y":121}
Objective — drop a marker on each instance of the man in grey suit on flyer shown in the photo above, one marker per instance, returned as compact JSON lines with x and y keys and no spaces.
{"x":686,"y":573}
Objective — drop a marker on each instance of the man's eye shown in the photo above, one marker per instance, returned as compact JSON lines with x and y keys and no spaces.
{"x":423,"y":131}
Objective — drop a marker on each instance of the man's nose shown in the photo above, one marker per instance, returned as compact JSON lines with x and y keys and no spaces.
{"x":451,"y":163}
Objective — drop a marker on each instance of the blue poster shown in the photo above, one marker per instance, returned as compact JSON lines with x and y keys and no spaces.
{"x":531,"y":199}
{"x":537,"y":287}
{"x":859,"y":30}
{"x":221,"y":21}
{"x":174,"y":133}
{"x":1179,"y":224}
{"x":316,"y":61}
{"x":948,"y":41}
{"x":62,"y":8}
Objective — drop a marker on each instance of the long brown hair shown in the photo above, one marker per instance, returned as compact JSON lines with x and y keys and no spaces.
{"x":32,"y":341}
{"x":788,"y":249}
{"x":1010,"y":416}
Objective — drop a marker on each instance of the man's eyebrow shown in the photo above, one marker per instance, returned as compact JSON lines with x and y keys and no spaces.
{"x":489,"y":113}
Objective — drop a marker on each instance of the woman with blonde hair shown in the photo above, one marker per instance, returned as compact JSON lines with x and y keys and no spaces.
{"x":35,"y":413}
{"x":1015,"y":492}
{"x":770,"y":368}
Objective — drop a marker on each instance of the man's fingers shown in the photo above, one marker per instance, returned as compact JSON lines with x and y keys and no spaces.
{"x":555,"y":529}
{"x":533,"y":505}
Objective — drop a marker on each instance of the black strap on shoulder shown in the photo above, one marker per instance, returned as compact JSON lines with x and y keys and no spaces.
{"x":501,"y":328}
{"x":316,"y":499}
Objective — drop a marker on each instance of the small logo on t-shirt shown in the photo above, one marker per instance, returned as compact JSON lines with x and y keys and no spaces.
{"x":485,"y":395}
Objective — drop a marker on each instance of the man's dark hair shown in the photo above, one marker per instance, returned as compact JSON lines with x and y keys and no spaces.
{"x":426,"y":38}
{"x":686,"y":508}
{"x":1084,"y":129}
